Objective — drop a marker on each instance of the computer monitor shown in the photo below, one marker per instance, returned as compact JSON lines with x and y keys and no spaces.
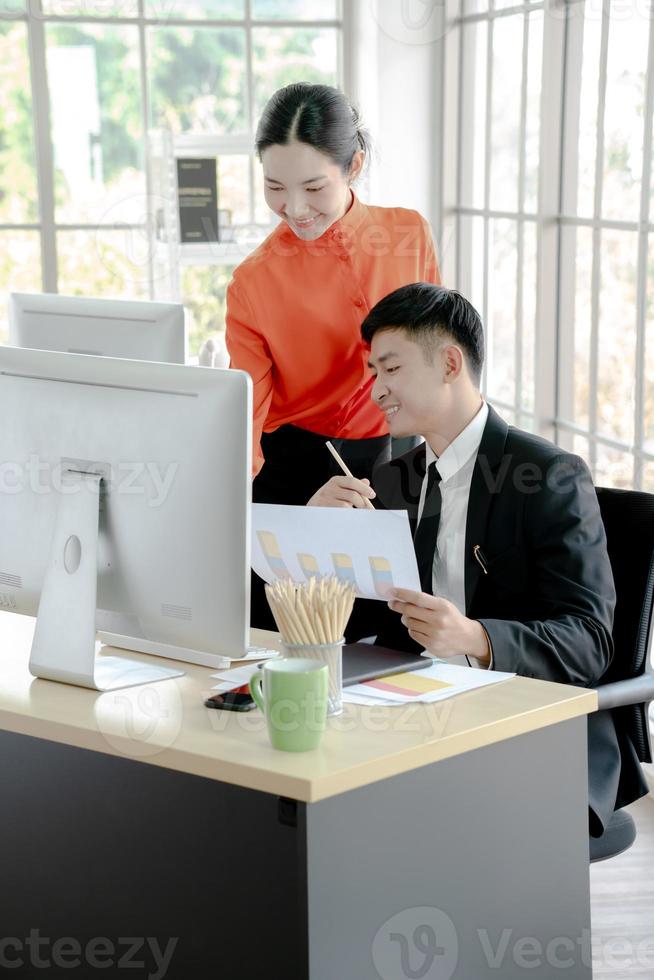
{"x":143,"y":331}
{"x":124,"y":506}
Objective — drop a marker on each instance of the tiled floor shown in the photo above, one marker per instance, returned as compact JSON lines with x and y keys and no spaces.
{"x":622,"y":905}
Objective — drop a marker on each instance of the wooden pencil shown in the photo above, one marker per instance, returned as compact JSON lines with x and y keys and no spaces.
{"x":347,"y":471}
{"x":313,"y":614}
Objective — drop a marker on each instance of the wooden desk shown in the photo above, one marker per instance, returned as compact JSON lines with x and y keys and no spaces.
{"x":141,"y":813}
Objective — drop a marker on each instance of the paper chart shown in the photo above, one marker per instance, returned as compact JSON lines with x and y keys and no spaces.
{"x":370,"y":549}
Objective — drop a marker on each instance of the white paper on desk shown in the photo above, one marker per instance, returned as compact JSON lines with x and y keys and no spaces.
{"x":256,"y":654}
{"x":237,"y":675}
{"x":372,"y":549}
{"x":349,"y":698}
{"x":457,"y":679}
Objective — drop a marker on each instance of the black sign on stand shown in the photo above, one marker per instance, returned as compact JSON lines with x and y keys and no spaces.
{"x":197,"y":186}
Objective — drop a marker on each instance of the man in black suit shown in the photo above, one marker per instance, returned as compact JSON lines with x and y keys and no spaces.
{"x":510,"y":544}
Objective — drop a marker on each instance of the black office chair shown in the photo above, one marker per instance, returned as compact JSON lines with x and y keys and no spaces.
{"x":628,"y":687}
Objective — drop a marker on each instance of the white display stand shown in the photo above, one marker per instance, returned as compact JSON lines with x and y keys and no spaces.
{"x":168,"y":253}
{"x":63,"y":648}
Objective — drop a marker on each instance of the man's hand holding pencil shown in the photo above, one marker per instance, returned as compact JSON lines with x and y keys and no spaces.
{"x":343,"y":491}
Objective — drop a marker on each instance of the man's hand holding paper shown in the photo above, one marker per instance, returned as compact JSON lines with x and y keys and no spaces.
{"x":438,"y":626}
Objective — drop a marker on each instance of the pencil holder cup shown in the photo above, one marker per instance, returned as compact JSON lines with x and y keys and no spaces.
{"x":327,"y":653}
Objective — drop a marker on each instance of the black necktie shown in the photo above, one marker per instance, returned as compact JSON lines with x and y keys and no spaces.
{"x":427,"y":531}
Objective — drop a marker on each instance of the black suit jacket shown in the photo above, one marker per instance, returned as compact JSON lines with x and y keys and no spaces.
{"x":547,"y":598}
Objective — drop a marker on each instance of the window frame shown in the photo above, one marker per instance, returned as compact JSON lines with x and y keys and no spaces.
{"x":563,"y":32}
{"x":36,"y":21}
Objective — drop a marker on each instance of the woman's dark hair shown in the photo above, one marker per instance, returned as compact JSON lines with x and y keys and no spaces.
{"x":319,"y":115}
{"x":425,"y":311}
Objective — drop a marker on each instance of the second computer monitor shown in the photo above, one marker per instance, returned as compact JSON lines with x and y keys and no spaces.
{"x":139,"y":330}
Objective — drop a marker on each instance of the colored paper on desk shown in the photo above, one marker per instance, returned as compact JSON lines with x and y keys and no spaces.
{"x":435,"y":683}
{"x":371,"y":549}
{"x":410,"y":685}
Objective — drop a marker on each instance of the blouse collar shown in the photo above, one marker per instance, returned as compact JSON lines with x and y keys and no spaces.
{"x":339,"y":232}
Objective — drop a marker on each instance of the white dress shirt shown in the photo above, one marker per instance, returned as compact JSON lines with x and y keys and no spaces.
{"x":455,"y":466}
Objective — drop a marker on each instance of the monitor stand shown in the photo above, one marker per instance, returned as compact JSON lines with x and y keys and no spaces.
{"x":63,"y":648}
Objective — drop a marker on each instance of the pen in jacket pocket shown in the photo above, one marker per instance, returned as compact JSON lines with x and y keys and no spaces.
{"x":481,"y":558}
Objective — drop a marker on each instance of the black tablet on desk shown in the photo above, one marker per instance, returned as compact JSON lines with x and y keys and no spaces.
{"x":365,"y":662}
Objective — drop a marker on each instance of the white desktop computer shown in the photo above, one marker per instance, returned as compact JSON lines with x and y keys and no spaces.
{"x":125,"y":508}
{"x":140,"y":330}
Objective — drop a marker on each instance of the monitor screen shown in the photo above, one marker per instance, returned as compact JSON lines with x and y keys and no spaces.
{"x":139,"y":330}
{"x":171,"y":446}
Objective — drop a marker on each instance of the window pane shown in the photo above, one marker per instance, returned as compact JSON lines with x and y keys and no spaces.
{"x":13,"y":6}
{"x":203,"y":296}
{"x":295,"y":9}
{"x":103,"y":263}
{"x":198,"y":9}
{"x":581,"y":447}
{"x":582,"y":323}
{"x":529,"y":315}
{"x":98,"y":147}
{"x":288,"y":54}
{"x":614,"y":468}
{"x":471,"y":249}
{"x":478,"y":260}
{"x":648,"y":477}
{"x":532,"y":121}
{"x":91,"y":8}
{"x":20,"y":270}
{"x":473,"y":98}
{"x":617,"y":335}
{"x":18,"y":193}
{"x":501,"y":327}
{"x":648,"y":422}
{"x":625,"y":115}
{"x":262,"y":213}
{"x":588,"y":108}
{"x":527,"y":422}
{"x":505,"y":127}
{"x":233,"y":187}
{"x":197,"y":79}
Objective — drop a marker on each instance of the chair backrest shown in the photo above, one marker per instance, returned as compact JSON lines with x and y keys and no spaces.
{"x":628,"y":518}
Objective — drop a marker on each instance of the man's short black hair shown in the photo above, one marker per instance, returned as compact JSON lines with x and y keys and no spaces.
{"x":426,"y":311}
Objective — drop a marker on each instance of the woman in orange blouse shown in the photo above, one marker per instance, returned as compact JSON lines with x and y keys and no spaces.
{"x":295,"y":305}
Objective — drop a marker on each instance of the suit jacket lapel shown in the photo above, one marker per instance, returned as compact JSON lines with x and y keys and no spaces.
{"x":399,"y":483}
{"x":488,"y":477}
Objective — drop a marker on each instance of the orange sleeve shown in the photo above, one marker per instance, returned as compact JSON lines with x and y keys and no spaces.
{"x":249,"y":352}
{"x":431,"y":272}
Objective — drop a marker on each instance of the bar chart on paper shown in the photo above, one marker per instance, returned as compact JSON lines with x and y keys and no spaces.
{"x":344,"y":569}
{"x":371,"y":550}
{"x":309,"y":565}
{"x":382,"y":575}
{"x":273,"y":555}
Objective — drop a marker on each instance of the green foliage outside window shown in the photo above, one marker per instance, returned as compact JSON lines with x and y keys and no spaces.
{"x":197,"y":83}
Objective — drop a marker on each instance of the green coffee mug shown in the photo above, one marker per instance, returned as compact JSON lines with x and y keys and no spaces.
{"x":292,"y":693}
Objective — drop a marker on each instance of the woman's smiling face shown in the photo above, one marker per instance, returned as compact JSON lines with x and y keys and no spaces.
{"x":305,"y":187}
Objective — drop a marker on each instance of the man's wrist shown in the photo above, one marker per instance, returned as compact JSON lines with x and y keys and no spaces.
{"x":478,"y":645}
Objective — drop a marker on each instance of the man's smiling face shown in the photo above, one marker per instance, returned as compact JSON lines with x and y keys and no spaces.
{"x":409,"y":384}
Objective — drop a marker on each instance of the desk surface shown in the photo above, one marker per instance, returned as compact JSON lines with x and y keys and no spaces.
{"x":166,"y":724}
